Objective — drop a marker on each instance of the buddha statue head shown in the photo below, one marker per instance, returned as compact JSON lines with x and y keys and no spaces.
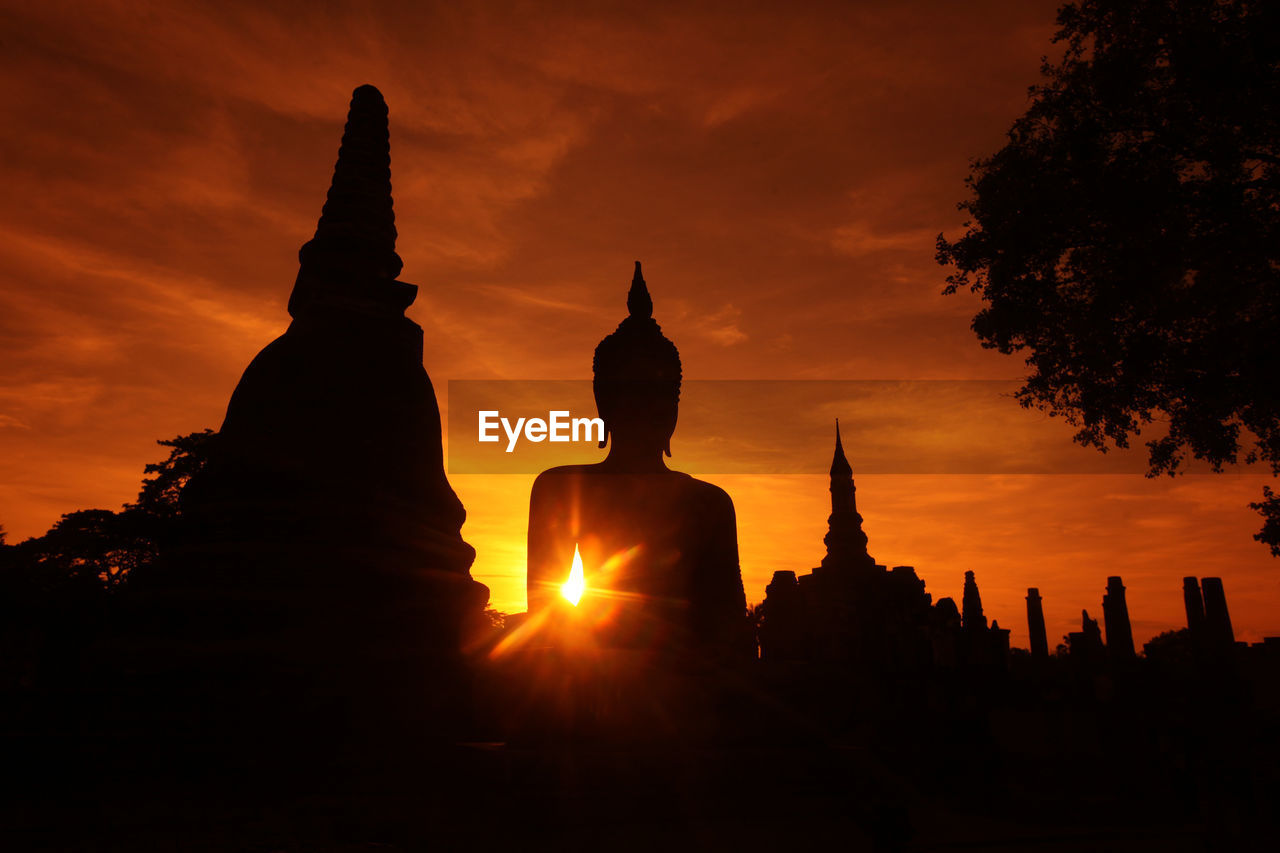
{"x":637,"y":379}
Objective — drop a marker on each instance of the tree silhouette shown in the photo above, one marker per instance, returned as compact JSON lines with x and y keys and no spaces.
{"x":97,"y":549}
{"x":89,"y":547}
{"x":1127,"y":237}
{"x":159,"y":495}
{"x":1171,"y":647}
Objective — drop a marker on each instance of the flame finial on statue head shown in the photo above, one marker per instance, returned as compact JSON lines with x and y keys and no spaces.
{"x":639,"y":303}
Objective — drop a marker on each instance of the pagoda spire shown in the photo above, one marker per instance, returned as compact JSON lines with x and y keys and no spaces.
{"x":839,"y":463}
{"x":843,"y":491}
{"x":846,"y":542}
{"x":351,"y":262}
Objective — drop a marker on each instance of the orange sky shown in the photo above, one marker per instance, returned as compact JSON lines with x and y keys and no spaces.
{"x":782,"y":174}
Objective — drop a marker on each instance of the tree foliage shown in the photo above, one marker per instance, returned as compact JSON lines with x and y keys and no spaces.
{"x":94,"y":547}
{"x":96,"y":550}
{"x":1126,"y":239}
{"x":159,"y":494}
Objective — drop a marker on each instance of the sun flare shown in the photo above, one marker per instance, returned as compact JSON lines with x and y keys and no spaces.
{"x":577,"y":582}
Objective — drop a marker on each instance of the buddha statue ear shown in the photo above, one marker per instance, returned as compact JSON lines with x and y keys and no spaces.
{"x":666,"y":448}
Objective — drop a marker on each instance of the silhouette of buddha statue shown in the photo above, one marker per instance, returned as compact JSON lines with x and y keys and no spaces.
{"x":659,"y":548}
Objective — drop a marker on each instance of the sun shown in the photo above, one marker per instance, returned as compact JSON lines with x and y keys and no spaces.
{"x":577,"y":582}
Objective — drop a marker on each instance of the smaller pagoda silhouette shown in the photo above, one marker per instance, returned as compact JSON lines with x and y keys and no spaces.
{"x":854,"y":611}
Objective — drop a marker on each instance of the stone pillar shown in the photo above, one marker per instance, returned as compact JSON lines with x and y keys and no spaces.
{"x":1195,"y":606}
{"x":1217,"y":622}
{"x":1115,"y":614}
{"x":1035,"y":625}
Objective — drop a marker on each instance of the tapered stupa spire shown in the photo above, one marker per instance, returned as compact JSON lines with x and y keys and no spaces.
{"x":357,"y":224}
{"x":352,"y":257}
{"x":839,"y":464}
{"x":843,"y":492}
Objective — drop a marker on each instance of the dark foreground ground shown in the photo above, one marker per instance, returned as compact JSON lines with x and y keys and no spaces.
{"x":1011,"y":763}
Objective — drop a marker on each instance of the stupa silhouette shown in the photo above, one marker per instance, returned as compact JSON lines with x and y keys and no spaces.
{"x":324,"y":518}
